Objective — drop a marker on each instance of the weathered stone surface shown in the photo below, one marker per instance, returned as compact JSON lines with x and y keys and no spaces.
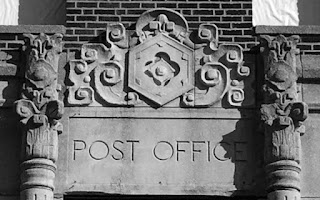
{"x":293,"y":30}
{"x":146,"y":151}
{"x":310,"y":159}
{"x":9,"y":63}
{"x":33,"y":29}
{"x":167,"y":65}
{"x":282,"y":115}
{"x":310,"y":66}
{"x":311,"y":94}
{"x":40,"y":111}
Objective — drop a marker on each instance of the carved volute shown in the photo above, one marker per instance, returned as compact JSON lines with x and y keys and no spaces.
{"x":40,"y":111}
{"x":283,"y":115}
{"x":161,"y":63}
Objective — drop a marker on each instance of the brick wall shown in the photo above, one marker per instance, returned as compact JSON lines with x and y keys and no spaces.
{"x":87,"y":19}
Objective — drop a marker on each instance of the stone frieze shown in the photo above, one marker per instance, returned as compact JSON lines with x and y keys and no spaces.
{"x":162,"y":61}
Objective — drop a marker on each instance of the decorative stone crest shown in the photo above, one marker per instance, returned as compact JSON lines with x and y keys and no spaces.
{"x":40,"y":111}
{"x":282,"y":115}
{"x":157,"y":63}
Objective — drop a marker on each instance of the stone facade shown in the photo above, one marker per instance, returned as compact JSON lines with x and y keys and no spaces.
{"x":159,"y":106}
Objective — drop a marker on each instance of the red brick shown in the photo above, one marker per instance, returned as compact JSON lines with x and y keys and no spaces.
{"x":232,"y":32}
{"x":104,"y":12}
{"x":130,"y":5}
{"x":70,"y":18}
{"x":241,"y":25}
{"x":7,"y":36}
{"x":70,"y":5}
{"x":109,"y":5}
{"x":129,"y":18}
{"x":72,"y":45}
{"x":203,"y":12}
{"x":219,"y":12}
{"x":88,"y":12}
{"x":187,"y":5}
{"x":247,"y":5}
{"x":84,"y":32}
{"x":236,"y":12}
{"x":81,"y":25}
{"x":186,"y":12}
{"x":192,"y":19}
{"x":210,"y":18}
{"x":228,"y":19}
{"x":235,"y":5}
{"x":87,"y":4}
{"x":244,"y":39}
{"x":109,"y":18}
{"x":148,"y":5}
{"x":86,"y":18}
{"x":222,"y":25}
{"x":135,"y":12}
{"x":209,"y":5}
{"x":73,"y":11}
{"x":166,"y":5}
{"x":70,"y":38}
{"x":97,"y":25}
{"x":225,"y":39}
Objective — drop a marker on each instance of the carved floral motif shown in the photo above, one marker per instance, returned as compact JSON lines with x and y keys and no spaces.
{"x":40,"y":111}
{"x":165,"y":61}
{"x":282,"y":115}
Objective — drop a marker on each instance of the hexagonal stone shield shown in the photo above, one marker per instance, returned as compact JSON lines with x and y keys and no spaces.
{"x":161,"y":69}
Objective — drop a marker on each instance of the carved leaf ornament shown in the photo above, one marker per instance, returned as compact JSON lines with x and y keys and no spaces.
{"x":283,"y":116}
{"x":40,"y":111}
{"x":159,"y":62}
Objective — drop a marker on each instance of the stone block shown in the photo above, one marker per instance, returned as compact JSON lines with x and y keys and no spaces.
{"x":310,"y":66}
{"x":145,"y":151}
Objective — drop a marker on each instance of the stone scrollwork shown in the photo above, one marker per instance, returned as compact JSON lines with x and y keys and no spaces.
{"x":160,"y":61}
{"x":283,"y":117}
{"x":228,"y":75}
{"x":40,"y":111}
{"x":102,"y":67}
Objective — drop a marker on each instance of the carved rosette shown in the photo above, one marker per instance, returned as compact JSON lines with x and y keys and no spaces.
{"x":282,"y":115}
{"x":161,"y":61}
{"x":40,"y":111}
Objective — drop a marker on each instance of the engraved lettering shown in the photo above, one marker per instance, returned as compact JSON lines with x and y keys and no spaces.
{"x":132,"y":147}
{"x":116,"y":148}
{"x":99,"y":150}
{"x":209,"y":151}
{"x":194,"y":150}
{"x":219,"y":151}
{"x":181,"y":150}
{"x":169,"y":146}
{"x":78,"y":145}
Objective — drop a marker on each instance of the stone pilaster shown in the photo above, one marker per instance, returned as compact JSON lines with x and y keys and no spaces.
{"x":40,"y":111}
{"x":282,"y":114}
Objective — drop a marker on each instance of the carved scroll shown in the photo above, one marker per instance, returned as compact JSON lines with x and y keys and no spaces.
{"x":282,"y":115}
{"x":164,"y":62}
{"x":40,"y":111}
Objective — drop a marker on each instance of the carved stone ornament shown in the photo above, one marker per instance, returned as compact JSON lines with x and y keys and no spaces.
{"x":40,"y":111}
{"x":282,"y":115}
{"x":157,"y":63}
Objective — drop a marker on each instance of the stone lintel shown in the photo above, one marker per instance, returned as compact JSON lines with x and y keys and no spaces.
{"x":292,"y":30}
{"x":48,"y":29}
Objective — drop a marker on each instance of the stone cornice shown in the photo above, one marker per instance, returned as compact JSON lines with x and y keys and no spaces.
{"x":292,"y":30}
{"x":48,"y":29}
